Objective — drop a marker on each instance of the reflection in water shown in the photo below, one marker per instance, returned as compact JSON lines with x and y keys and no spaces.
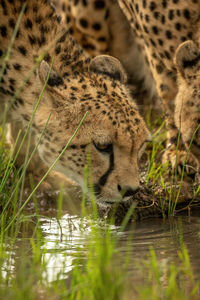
{"x":8,"y":266}
{"x":166,"y":236}
{"x":63,"y":240}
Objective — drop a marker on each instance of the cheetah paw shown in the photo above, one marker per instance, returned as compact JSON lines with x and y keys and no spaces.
{"x":180,"y":159}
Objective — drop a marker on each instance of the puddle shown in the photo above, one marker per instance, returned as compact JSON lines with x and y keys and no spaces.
{"x":61,"y":241}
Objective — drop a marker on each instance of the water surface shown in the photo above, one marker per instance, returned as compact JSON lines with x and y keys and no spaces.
{"x":164,"y":235}
{"x":64,"y":241}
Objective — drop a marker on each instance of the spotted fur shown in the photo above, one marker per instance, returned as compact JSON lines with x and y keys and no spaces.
{"x":113,"y":132}
{"x":100,"y":27}
{"x":187,"y":104}
{"x":164,"y":25}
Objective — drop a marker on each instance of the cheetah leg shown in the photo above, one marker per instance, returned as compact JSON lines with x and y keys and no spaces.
{"x":187,"y":113}
{"x":176,"y":153}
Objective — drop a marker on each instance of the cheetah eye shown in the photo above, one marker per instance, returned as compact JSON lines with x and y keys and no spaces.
{"x":107,"y":148}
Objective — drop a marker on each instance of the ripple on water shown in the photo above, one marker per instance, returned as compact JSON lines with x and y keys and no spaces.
{"x":65,"y":240}
{"x":163,"y":235}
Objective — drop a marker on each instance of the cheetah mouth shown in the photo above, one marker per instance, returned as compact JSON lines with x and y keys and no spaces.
{"x":110,"y":202}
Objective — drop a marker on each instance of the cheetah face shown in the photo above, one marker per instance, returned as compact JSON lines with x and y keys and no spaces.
{"x":187,"y":111}
{"x":109,"y":142}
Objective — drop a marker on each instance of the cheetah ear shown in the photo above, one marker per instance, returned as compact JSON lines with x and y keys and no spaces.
{"x":187,"y":59}
{"x":108,"y":65}
{"x":54,"y":79}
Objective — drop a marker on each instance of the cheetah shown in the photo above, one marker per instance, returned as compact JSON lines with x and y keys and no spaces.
{"x":187,"y":102}
{"x":44,"y":53}
{"x":164,"y":25}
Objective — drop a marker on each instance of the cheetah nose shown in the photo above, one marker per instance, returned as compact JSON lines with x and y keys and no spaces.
{"x":127,"y":191}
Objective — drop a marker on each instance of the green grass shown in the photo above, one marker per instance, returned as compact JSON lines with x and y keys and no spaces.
{"x":96,"y":271}
{"x":100,"y":270}
{"x":169,"y":281}
{"x":160,"y":177}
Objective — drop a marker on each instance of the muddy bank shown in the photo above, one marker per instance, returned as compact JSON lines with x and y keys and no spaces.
{"x":156,"y":202}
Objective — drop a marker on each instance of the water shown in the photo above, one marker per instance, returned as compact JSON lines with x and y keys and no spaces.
{"x":164,"y":235}
{"x":65,"y":240}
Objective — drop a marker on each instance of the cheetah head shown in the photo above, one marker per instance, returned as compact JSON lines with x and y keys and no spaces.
{"x":187,"y":110}
{"x":112,"y":137}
